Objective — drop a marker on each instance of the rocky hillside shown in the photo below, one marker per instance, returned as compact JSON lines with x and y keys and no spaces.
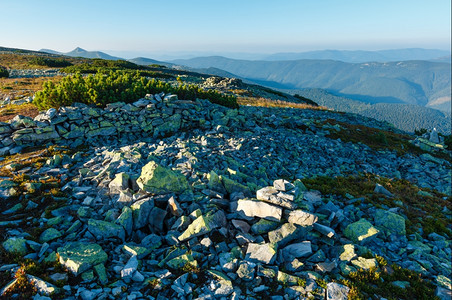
{"x":172,"y":199}
{"x":169,"y":198}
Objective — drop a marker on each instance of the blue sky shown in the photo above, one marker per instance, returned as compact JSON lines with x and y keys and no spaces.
{"x":254,"y":26}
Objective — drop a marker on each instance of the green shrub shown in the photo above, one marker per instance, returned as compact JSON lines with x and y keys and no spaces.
{"x":3,"y":72}
{"x":98,"y":65}
{"x":101,"y":89}
{"x":50,"y":62}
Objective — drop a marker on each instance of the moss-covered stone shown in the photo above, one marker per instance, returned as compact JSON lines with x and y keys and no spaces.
{"x":390,"y":222}
{"x":16,"y":245}
{"x":79,"y":257}
{"x":159,"y":180}
{"x":360,"y":231}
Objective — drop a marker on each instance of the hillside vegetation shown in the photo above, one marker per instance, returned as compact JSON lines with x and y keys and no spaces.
{"x":411,"y":82}
{"x":403,"y":116}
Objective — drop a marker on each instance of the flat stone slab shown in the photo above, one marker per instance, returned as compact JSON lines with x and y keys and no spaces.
{"x":259,"y":209}
{"x":263,"y":253}
{"x":79,"y":257}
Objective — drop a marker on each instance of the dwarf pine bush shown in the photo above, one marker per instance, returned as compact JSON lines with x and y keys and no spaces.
{"x":100,"y":89}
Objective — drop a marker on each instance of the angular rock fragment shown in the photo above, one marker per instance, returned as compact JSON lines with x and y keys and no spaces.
{"x":286,"y":233}
{"x":79,"y":257}
{"x":271,"y":195}
{"x":105,"y":229}
{"x":360,"y":231}
{"x":336,"y":291}
{"x":263,"y":253}
{"x":259,"y":209}
{"x":390,"y":222}
{"x":297,"y":250}
{"x":120,"y":183}
{"x":140,"y":212}
{"x":203,"y":225}
{"x":156,"y":179}
{"x":302,"y":218}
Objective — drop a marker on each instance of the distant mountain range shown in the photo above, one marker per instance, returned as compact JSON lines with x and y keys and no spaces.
{"x":360,"y":56}
{"x":79,"y":52}
{"x":421,"y":83}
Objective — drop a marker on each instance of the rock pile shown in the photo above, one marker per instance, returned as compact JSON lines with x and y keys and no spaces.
{"x":194,"y":207}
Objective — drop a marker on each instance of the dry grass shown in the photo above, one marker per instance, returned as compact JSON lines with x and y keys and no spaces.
{"x":17,"y":88}
{"x":10,"y":111}
{"x":264,"y":102}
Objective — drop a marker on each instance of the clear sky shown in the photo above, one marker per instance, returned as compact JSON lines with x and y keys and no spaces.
{"x":255,"y":26}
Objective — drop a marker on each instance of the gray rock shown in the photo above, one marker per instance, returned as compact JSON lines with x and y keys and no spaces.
{"x":103,"y":229}
{"x":263,"y":253}
{"x":120,"y":183}
{"x":156,"y":218}
{"x":159,"y":180}
{"x":297,"y":250}
{"x":272,"y":195}
{"x":79,"y":257}
{"x":284,"y":234}
{"x":259,"y":209}
{"x":302,"y":218}
{"x":246,"y":271}
{"x":203,"y":225}
{"x":360,"y":231}
{"x":140,"y":212}
{"x":379,"y":189}
{"x":336,"y":291}
{"x":130,"y":268}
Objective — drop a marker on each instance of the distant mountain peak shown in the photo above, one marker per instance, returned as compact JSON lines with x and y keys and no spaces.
{"x":78,"y":49}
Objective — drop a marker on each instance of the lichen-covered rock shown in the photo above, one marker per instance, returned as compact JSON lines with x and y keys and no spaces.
{"x":103,"y":229}
{"x":140,"y":212}
{"x":156,"y":179}
{"x":390,"y":222}
{"x":203,"y":225}
{"x":16,"y":245}
{"x":79,"y":257}
{"x":49,"y":235}
{"x":360,"y":231}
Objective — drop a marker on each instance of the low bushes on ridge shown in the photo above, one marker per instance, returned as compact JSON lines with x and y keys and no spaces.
{"x":101,"y":89}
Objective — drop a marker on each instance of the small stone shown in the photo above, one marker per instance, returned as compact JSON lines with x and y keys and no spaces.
{"x":130,"y":267}
{"x":297,"y":250}
{"x":174,"y":207}
{"x":49,"y":235}
{"x":365,"y":263}
{"x":336,"y":291}
{"x":379,"y":189}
